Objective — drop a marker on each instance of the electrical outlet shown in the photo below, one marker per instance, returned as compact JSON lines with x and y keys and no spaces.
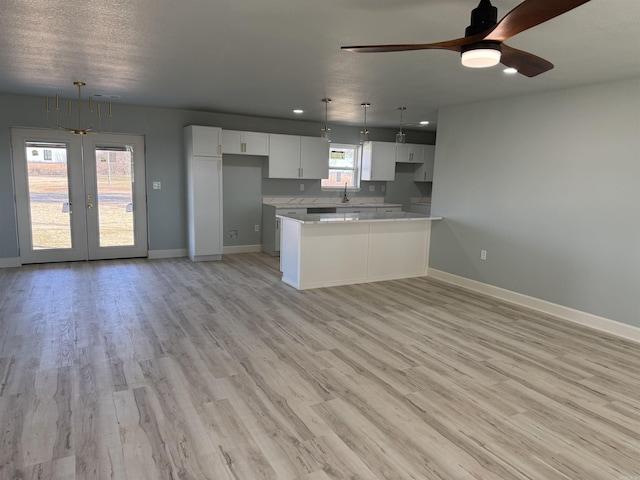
{"x":157,"y":185}
{"x":372,"y":188}
{"x":256,"y":228}
{"x":302,"y":187}
{"x":232,"y":234}
{"x":483,"y":254}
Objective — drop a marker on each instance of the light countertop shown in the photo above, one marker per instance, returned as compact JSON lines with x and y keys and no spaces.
{"x":329,"y":218}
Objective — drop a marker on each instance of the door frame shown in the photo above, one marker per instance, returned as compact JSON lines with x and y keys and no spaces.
{"x":140,"y":247}
{"x":82,"y":180}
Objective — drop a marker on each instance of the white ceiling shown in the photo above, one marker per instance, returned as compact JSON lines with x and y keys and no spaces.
{"x":265,"y":58}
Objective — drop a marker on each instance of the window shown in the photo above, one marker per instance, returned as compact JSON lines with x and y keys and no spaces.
{"x":343,"y":167}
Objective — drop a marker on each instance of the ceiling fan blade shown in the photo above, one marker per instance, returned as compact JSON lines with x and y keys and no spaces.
{"x":529,"y":14}
{"x":527,"y":64}
{"x":454,"y":45}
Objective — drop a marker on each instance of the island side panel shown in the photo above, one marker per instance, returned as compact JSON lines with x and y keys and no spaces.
{"x":290,"y":245}
{"x":398,"y":249}
{"x":333,"y":254}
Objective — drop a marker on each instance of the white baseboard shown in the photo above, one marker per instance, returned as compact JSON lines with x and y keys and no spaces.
{"x":10,"y":262}
{"x":156,"y":254}
{"x":618,"y":329}
{"x":241,"y":249}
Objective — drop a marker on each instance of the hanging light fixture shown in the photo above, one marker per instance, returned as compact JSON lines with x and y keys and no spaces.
{"x":400,"y":136}
{"x":364,"y":133}
{"x":79,"y":130}
{"x":326,"y":131}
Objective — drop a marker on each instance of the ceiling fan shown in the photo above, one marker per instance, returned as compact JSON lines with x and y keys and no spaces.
{"x":483,"y":43}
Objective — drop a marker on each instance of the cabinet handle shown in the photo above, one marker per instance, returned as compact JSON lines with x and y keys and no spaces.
{"x":219,"y":165}
{"x":219,"y":149}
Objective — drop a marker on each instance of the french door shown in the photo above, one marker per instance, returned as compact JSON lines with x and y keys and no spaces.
{"x":79,"y":197}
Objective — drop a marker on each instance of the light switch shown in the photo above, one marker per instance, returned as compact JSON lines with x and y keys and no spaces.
{"x":157,"y":185}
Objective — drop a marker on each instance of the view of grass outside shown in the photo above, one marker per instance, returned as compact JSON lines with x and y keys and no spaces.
{"x":49,"y":198}
{"x":114,"y":198}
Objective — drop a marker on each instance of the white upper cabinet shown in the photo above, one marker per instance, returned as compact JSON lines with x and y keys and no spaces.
{"x":424,"y":173}
{"x":245,"y":143}
{"x":203,"y":141}
{"x":292,"y":156}
{"x":378,"y":161}
{"x":410,"y":153}
{"x":314,"y":157}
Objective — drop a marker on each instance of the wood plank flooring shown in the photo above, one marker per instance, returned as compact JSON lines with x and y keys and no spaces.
{"x":167,"y":369}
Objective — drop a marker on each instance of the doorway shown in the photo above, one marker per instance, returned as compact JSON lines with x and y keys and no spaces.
{"x":79,"y":197}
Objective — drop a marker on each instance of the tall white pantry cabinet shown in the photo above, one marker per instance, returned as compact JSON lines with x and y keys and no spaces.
{"x":203,"y":146}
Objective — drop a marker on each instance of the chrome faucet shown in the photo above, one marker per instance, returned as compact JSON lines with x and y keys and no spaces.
{"x":345,"y":199}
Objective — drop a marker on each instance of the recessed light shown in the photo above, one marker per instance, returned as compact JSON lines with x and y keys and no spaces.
{"x":424,"y":122}
{"x":510,"y":70}
{"x":297,"y":111}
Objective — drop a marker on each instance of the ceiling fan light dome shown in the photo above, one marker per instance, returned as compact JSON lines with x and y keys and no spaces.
{"x":481,"y":55}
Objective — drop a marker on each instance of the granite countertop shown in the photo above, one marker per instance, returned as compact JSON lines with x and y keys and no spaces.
{"x":325,"y":218}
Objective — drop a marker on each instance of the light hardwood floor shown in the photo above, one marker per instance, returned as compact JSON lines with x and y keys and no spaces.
{"x":169,"y":369}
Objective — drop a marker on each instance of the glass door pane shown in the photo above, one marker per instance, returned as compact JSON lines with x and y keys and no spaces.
{"x":114,"y":192}
{"x":48,"y":187}
{"x":49,"y":182}
{"x":115,"y":195}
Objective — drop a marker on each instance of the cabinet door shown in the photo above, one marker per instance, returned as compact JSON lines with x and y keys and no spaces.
{"x":231,"y":141}
{"x":256,"y":143}
{"x":314,"y":158}
{"x":356,"y":209}
{"x":424,"y":173}
{"x":388,"y":209}
{"x":416,"y":153}
{"x":402,"y":153}
{"x":206,"y":210}
{"x":284,"y":156}
{"x":206,"y":141}
{"x":378,"y":161}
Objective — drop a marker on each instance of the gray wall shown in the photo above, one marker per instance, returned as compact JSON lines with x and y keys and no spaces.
{"x":549,"y":185}
{"x":162,"y":129}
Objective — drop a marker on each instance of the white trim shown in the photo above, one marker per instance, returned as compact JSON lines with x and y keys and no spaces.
{"x":156,"y":254}
{"x":10,"y":262}
{"x":612,"y":327}
{"x":241,"y":249}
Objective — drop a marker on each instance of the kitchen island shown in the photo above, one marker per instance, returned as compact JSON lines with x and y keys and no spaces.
{"x":322,"y":250}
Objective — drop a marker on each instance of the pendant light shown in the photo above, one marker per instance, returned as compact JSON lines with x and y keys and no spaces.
{"x":401,"y":137}
{"x":79,"y":130}
{"x":364,"y":133}
{"x":326,"y":131}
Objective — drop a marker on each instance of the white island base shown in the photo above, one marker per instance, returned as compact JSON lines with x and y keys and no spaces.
{"x":316,"y":253}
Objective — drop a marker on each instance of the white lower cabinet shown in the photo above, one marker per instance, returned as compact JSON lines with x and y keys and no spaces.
{"x":388,"y":209}
{"x":271,"y":227}
{"x":204,"y":193}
